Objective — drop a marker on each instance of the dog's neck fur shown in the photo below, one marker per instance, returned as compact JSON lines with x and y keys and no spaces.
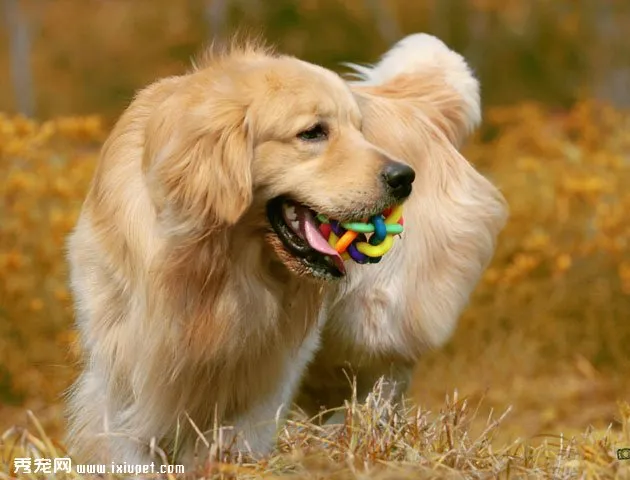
{"x":283,"y":313}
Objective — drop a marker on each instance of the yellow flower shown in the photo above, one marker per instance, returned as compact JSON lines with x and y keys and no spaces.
{"x":563,"y":262}
{"x":36,"y":304}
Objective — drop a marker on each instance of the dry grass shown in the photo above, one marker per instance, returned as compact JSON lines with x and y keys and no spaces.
{"x":380,"y":441}
{"x":546,"y":332}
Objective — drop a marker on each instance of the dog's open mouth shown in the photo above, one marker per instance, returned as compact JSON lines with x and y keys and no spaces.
{"x":297,"y":227}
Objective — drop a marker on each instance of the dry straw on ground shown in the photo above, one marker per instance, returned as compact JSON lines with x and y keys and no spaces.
{"x":379,"y":441}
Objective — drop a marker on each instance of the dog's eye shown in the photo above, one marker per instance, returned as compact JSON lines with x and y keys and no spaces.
{"x":316,"y":132}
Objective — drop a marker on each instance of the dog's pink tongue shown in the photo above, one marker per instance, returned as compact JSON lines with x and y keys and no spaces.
{"x":314,"y":238}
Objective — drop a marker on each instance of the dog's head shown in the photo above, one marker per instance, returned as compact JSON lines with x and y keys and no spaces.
{"x":269,"y":138}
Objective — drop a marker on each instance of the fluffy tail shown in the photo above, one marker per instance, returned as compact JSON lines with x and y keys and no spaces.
{"x":422,"y":68}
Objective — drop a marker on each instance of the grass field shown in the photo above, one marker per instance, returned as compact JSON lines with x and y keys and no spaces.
{"x":546,"y":334}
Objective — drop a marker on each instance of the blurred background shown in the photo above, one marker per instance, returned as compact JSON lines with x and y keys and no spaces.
{"x":548,"y":329}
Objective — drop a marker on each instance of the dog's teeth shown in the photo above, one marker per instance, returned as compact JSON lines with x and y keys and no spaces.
{"x":295,"y":225}
{"x":289,"y":211}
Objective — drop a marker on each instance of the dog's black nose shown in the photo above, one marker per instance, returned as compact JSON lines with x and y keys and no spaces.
{"x":399,"y":178}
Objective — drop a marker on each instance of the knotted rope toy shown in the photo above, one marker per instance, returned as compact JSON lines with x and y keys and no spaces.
{"x":351,"y":240}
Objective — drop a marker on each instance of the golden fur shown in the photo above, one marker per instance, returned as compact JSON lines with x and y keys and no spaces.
{"x":191,"y":312}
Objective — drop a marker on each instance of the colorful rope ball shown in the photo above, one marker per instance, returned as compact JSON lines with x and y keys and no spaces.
{"x":367,"y":241}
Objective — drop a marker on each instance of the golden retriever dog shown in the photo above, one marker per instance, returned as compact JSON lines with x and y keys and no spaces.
{"x":203,"y":290}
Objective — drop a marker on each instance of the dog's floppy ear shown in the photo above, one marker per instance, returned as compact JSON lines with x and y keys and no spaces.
{"x":198,"y":159}
{"x":422,"y":70}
